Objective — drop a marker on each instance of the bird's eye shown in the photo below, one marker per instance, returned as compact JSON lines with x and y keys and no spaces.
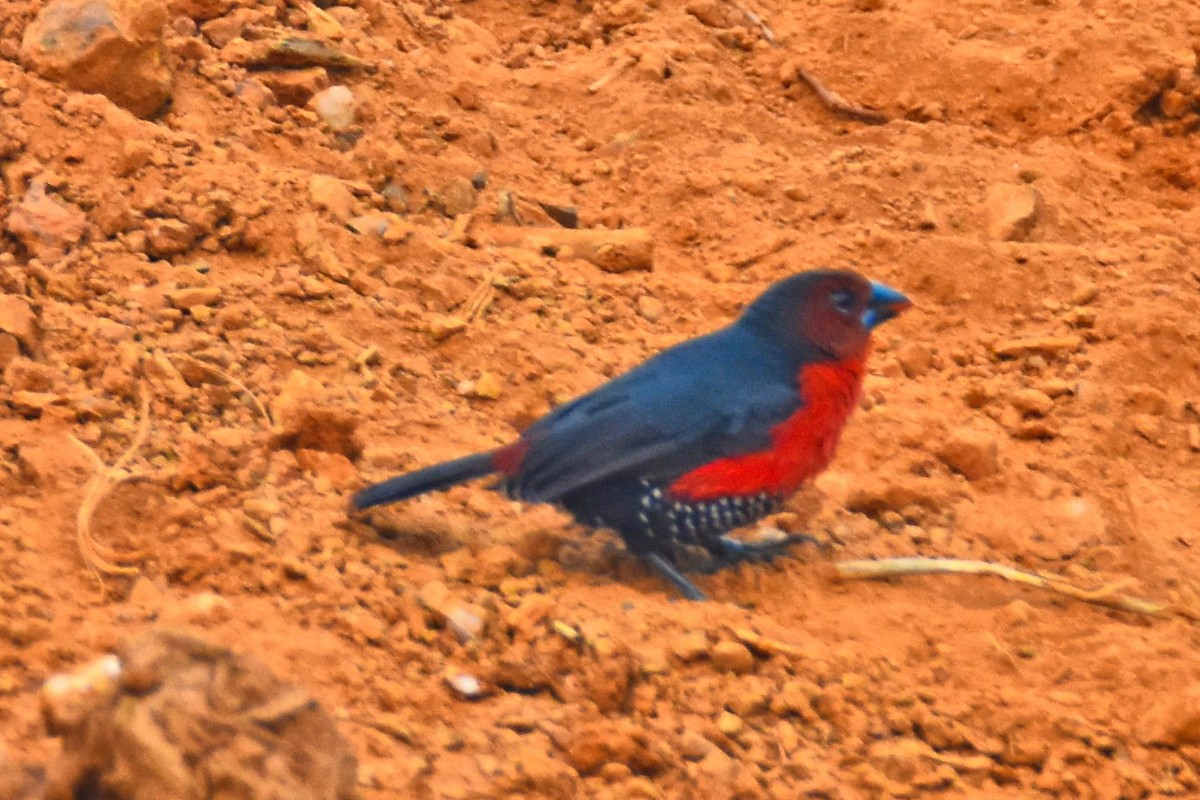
{"x":842,"y":300}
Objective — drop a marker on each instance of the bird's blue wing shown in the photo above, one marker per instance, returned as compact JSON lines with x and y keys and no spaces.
{"x":709,"y":398}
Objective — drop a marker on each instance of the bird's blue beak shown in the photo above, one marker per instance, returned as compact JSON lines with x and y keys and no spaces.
{"x":883,"y":304}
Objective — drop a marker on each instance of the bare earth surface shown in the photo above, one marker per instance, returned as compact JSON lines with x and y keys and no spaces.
{"x":1034,"y":190}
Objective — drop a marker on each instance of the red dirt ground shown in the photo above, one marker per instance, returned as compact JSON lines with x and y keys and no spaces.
{"x":596,"y":681}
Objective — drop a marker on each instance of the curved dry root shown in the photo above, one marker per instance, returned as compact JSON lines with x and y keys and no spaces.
{"x":100,"y":559}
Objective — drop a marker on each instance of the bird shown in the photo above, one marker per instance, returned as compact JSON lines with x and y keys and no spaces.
{"x":705,"y":437}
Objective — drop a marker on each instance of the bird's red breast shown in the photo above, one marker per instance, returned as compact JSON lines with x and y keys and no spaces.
{"x":801,"y":446}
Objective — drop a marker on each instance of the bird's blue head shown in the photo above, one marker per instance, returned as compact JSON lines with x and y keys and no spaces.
{"x":825,"y":313}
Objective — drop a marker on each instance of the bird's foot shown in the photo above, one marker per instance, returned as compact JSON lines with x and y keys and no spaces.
{"x":729,"y":552}
{"x":725,"y":553}
{"x":671,"y":574}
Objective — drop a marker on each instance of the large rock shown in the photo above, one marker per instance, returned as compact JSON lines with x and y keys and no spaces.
{"x":108,"y":47}
{"x":171,"y":716}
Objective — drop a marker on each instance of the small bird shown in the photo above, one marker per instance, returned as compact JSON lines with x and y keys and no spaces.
{"x":706,"y":437}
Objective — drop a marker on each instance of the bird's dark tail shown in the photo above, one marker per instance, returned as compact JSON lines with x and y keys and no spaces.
{"x":411,"y":484}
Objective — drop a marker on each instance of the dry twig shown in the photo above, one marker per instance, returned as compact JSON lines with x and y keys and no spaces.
{"x":1109,"y":596}
{"x":754,"y":19}
{"x":776,"y":246}
{"x":622,"y":65}
{"x":839,"y":104}
{"x":480,"y":299}
{"x":835,"y":102}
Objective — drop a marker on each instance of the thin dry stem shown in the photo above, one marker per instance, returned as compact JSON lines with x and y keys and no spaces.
{"x":1002,"y":650}
{"x":1109,"y":595}
{"x":220,"y":373}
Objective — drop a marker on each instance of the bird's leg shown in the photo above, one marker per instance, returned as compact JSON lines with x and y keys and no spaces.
{"x":727,"y":551}
{"x":673,"y":576}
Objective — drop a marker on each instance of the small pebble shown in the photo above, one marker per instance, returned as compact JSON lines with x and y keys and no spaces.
{"x":732,"y":657}
{"x":467,"y":686}
{"x":1148,"y":426}
{"x":651,"y":308}
{"x":693,"y":746}
{"x":488,"y":387}
{"x":466,"y":621}
{"x":690,"y":646}
{"x":1085,"y":292}
{"x":1032,"y":402}
{"x":730,"y":724}
{"x":915,"y":359}
{"x":443,"y":327}
{"x":335,"y":106}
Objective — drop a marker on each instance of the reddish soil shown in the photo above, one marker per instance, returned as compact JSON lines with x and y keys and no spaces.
{"x":200,"y":266}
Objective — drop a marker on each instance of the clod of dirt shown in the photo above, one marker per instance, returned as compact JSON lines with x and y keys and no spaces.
{"x":189,"y":297}
{"x":46,"y":226}
{"x":295,"y":87}
{"x":732,"y":657}
{"x":1147,"y":426}
{"x":1032,"y":402}
{"x":168,"y":237}
{"x":971,"y":453}
{"x":25,"y":375}
{"x":1173,"y":721}
{"x":457,"y":196}
{"x":20,"y":331}
{"x":105,"y":47}
{"x":19,"y":782}
{"x":606,"y":741}
{"x":601,"y":672}
{"x":174,"y":717}
{"x":915,"y":359}
{"x":199,"y":9}
{"x":714,"y":14}
{"x":1012,"y":212}
{"x":691,"y":646}
{"x":332,"y":195}
{"x":304,"y":421}
{"x":613,"y":251}
{"x":1043,"y":345}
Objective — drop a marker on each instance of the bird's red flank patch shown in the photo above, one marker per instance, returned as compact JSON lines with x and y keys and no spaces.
{"x":508,"y":458}
{"x":801,"y":446}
